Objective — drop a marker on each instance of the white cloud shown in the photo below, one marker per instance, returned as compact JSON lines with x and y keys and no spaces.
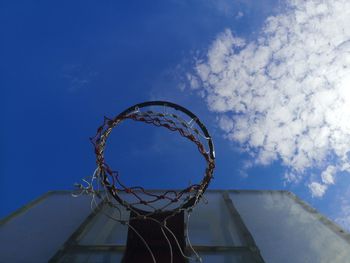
{"x":291,"y":177}
{"x":317,"y":189}
{"x":239,"y":15}
{"x":286,"y":96}
{"x":327,"y":178}
{"x":193,"y":81}
{"x":328,"y":175}
{"x":226,"y":124}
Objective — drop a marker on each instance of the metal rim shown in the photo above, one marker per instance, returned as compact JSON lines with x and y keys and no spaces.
{"x":210,"y":166}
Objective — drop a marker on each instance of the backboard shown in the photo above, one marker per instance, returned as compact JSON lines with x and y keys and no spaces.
{"x":229,"y":226}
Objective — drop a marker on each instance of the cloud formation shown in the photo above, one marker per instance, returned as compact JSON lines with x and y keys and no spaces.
{"x":286,"y":95}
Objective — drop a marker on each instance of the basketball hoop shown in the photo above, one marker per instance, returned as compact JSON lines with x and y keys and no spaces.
{"x":146,"y":205}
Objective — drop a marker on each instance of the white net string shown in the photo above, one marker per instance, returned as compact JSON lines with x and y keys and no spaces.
{"x":88,"y":189}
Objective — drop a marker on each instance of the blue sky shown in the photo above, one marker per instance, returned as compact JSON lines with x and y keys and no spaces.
{"x":267,"y":79}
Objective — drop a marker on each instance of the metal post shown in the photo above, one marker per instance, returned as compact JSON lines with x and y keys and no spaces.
{"x":242,"y":228}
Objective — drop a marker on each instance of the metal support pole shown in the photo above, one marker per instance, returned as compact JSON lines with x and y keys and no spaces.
{"x":242,"y":228}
